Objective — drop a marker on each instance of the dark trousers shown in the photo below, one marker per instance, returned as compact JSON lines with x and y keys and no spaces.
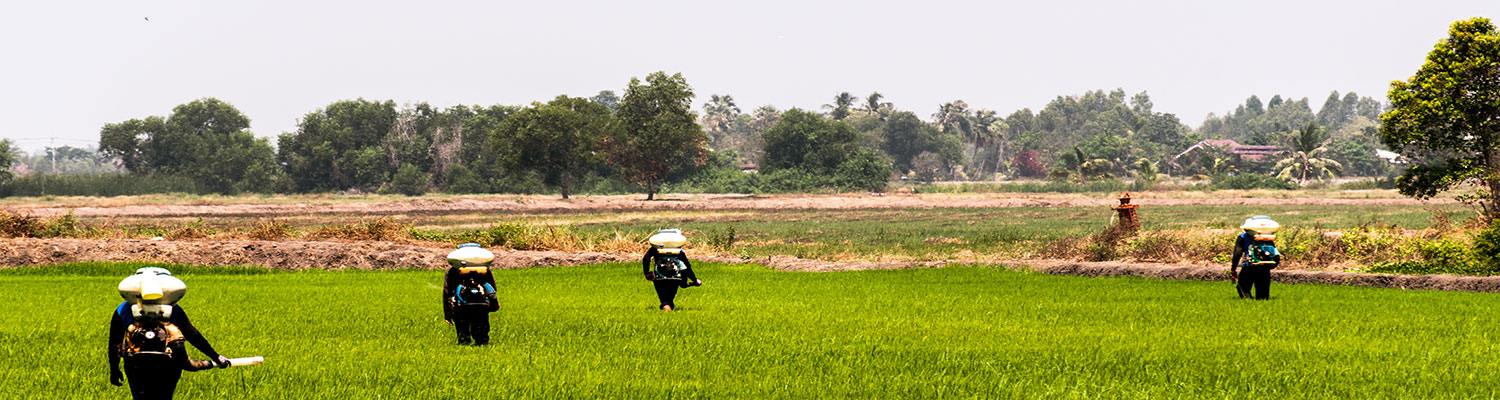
{"x":666,"y":291}
{"x":1257,"y":276}
{"x":152,"y":380}
{"x":472,"y":327}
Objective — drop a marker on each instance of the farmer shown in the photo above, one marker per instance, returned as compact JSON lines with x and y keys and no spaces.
{"x":667,"y":266}
{"x":148,"y":331}
{"x":1256,"y":255}
{"x":469,"y":293}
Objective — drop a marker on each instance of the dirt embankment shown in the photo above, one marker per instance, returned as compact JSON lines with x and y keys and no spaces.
{"x":296,"y":255}
{"x":536,"y":204}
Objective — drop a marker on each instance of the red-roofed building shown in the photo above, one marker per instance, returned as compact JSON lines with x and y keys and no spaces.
{"x":1243,"y":152}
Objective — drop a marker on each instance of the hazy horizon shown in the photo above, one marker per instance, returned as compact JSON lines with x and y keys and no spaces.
{"x":74,"y":68}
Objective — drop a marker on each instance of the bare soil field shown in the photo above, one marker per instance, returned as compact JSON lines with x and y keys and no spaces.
{"x":303,"y":254}
{"x":510,"y":204}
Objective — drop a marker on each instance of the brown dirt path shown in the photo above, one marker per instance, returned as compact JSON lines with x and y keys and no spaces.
{"x":502,"y":204}
{"x":297,"y":255}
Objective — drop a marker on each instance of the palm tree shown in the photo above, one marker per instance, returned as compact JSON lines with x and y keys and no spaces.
{"x":718,"y":114}
{"x":1304,"y":156}
{"x":765,"y":117}
{"x":875,"y":107}
{"x":840,"y":107}
{"x":984,"y":123}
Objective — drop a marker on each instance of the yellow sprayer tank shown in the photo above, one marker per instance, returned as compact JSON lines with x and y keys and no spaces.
{"x":668,"y":241}
{"x":471,"y":257}
{"x":1262,"y":227}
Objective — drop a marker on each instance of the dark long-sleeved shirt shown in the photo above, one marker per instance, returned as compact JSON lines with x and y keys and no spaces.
{"x":450,"y":283}
{"x":687,"y":270}
{"x":122,"y":319}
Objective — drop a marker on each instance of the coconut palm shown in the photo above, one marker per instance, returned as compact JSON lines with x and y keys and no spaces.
{"x":719,"y":114}
{"x":840,"y":107}
{"x":874,"y":106}
{"x":1304,"y":156}
{"x":985,"y":124}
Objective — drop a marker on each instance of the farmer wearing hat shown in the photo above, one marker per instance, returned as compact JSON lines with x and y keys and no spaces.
{"x":667,"y":266}
{"x":148,"y":332}
{"x":469,"y":293}
{"x":1254,"y":257}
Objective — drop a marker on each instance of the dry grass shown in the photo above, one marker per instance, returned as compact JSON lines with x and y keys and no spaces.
{"x":380,"y":229}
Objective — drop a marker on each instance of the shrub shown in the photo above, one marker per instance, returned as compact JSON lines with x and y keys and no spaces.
{"x":1487,"y":248}
{"x":13,"y":225}
{"x":409,"y":180}
{"x":98,"y":185}
{"x":463,"y":180}
{"x":1252,"y":181}
{"x":383,"y":229}
{"x":270,"y":229}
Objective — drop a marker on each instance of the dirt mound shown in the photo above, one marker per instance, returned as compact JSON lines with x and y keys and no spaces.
{"x":503,"y":204}
{"x":290,"y":255}
{"x":299,"y":254}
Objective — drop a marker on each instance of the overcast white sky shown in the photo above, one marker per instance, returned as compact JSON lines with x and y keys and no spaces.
{"x":68,"y":68}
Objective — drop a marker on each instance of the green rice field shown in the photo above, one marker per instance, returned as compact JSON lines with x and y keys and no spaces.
{"x":593,"y":332}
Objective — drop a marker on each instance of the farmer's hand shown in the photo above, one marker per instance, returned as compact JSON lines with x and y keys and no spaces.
{"x":116,"y":377}
{"x":221,"y":361}
{"x":448,"y":320}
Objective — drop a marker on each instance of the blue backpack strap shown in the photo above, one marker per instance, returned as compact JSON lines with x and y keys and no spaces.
{"x":124,"y":312}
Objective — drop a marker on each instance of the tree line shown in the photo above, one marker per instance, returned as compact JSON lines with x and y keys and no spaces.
{"x":651,"y":136}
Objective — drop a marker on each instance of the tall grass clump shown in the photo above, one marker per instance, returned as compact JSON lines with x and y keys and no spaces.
{"x":1032,"y":187}
{"x":98,"y":185}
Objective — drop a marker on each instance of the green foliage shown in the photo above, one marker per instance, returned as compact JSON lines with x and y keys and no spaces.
{"x":819,"y":153}
{"x":463,"y":180}
{"x":1487,"y":248}
{"x":1305,"y":156}
{"x":206,"y":140}
{"x":1252,"y":181}
{"x":98,"y":185}
{"x":1443,"y":118}
{"x":339,"y":147}
{"x":989,"y":332}
{"x":659,"y":133}
{"x":906,"y":137}
{"x":409,"y":180}
{"x":7,"y":157}
{"x":559,"y":140}
{"x":841,"y":106}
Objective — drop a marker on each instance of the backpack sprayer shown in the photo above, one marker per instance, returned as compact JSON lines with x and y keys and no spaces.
{"x":668,"y":243}
{"x":152,"y":292}
{"x":1262,"y":249}
{"x":472,"y":261}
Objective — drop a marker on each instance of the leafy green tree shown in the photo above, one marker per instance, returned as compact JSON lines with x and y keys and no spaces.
{"x":341,"y":146}
{"x":409,"y":180}
{"x":1446,"y":118}
{"x":906,"y":137}
{"x":659,"y":133}
{"x":1305,"y":154}
{"x":842,"y":103}
{"x":7,"y":156}
{"x":206,"y":140}
{"x":608,"y":99}
{"x":559,"y":139}
{"x":806,"y":142}
{"x":1357,"y":154}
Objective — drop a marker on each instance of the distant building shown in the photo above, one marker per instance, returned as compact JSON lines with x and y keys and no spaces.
{"x":1243,"y":152}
